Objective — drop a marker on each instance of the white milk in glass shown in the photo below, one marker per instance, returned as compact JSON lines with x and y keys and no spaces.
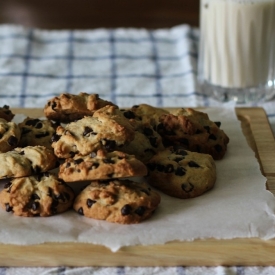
{"x":236,"y":56}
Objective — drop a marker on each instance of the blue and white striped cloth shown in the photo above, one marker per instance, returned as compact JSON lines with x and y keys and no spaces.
{"x":126,"y":66}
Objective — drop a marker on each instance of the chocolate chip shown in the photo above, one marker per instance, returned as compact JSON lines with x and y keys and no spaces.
{"x":8,"y":207}
{"x":95,"y":165}
{"x":8,"y":185}
{"x":148,"y":131}
{"x":180,"y":171}
{"x":153,"y":142}
{"x":178,"y":159}
{"x":169,"y":168}
{"x":54,"y":105}
{"x":187,"y":187}
{"x":90,"y":202}
{"x":72,"y":154}
{"x":68,"y":164}
{"x":35,"y":205}
{"x":1,"y":136}
{"x":151,"y":166}
{"x":32,"y":122}
{"x":39,"y":125}
{"x":36,"y":169}
{"x":212,"y":137}
{"x":87,"y":131}
{"x":42,"y":135}
{"x":12,"y":141}
{"x":160,"y":127}
{"x":110,"y":145}
{"x":80,"y":211}
{"x":126,"y":210}
{"x":218,"y":148}
{"x":207,"y":128}
{"x":107,"y":160}
{"x":55,"y":138}
{"x":140,"y":210}
{"x":22,"y":153}
{"x":39,"y":177}
{"x":160,"y":167}
{"x":78,"y":161}
{"x":46,"y":174}
{"x":34,"y":197}
{"x":218,"y":123}
{"x":129,"y":114}
{"x":50,"y":192}
{"x":181,"y":152}
{"x":193,"y":164}
{"x":55,"y":202}
{"x":184,"y":141}
{"x":25,"y":130}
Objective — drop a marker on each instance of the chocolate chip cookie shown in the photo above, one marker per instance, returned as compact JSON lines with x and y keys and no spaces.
{"x":90,"y":134}
{"x":9,"y":135}
{"x":40,"y":195}
{"x":36,"y":131}
{"x":6,"y":113}
{"x":181,"y":173}
{"x":101,"y":165}
{"x":123,"y":202}
{"x":195,"y":131}
{"x":26,"y":161}
{"x":69,"y":107}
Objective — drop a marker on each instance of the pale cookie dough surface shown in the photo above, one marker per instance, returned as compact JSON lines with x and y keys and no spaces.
{"x":40,"y":195}
{"x":9,"y":135}
{"x":36,"y":131}
{"x":27,"y":161}
{"x":101,"y":165}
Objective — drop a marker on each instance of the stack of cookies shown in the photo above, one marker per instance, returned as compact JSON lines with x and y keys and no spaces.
{"x":95,"y":142}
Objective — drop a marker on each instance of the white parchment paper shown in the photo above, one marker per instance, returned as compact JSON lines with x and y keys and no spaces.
{"x":238,"y":206}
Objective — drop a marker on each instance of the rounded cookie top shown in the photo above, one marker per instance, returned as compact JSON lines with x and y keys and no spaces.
{"x":101,"y":165}
{"x":26,"y":161}
{"x":9,"y":135}
{"x":145,"y":113}
{"x":69,"y":107}
{"x":181,"y":173}
{"x":123,"y":202}
{"x":91,"y":134}
{"x":146,"y":144}
{"x":36,"y":131}
{"x":41,"y":195}
{"x":6,"y":113}
{"x":195,"y":131}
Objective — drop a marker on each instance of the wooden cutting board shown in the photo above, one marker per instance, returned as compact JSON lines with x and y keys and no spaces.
{"x":210,"y":252}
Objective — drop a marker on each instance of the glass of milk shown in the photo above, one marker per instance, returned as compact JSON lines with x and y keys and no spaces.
{"x":237,"y":49}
